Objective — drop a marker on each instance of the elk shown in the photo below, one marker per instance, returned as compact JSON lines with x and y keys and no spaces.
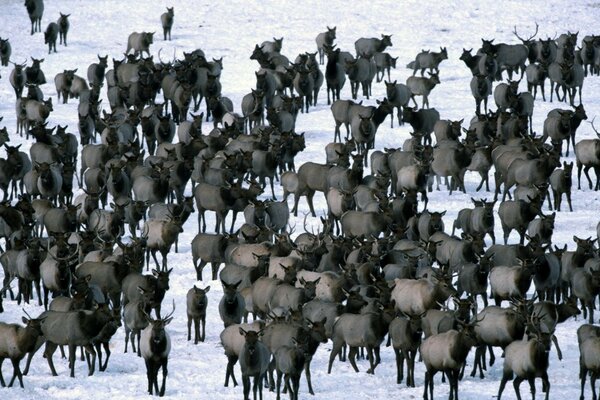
{"x":367,"y":47}
{"x":5,"y":51}
{"x":196,"y":312}
{"x":405,"y":334}
{"x":50,"y":36}
{"x":289,"y":362}
{"x":398,"y":95}
{"x":357,"y":330}
{"x":166,"y":20}
{"x":232,"y":304}
{"x":428,"y":59}
{"x":140,"y":43}
{"x":63,"y":28}
{"x":415,"y":297}
{"x":155,"y":346}
{"x":35,"y":9}
{"x":587,"y":155}
{"x":134,"y":316}
{"x":512,"y":281}
{"x":422,"y":87}
{"x":561,"y":182}
{"x":15,"y":342}
{"x":254,"y":362}
{"x":17,"y":78}
{"x":73,"y":328}
{"x":536,"y":76}
{"x":323,"y":39}
{"x":335,"y":76}
{"x":516,"y":214}
{"x":160,"y":236}
{"x":526,"y":360}
{"x":446,"y":352}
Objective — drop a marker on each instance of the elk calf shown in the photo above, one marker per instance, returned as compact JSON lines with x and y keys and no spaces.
{"x":166,"y":20}
{"x":50,"y":36}
{"x":254,"y":362}
{"x":196,"y":312}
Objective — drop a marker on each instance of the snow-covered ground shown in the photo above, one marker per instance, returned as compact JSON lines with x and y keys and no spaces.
{"x":230,"y":30}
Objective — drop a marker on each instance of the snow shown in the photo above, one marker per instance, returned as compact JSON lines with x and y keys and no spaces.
{"x":230,"y":30}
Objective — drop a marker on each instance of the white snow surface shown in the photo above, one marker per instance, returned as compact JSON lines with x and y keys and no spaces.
{"x":230,"y":30}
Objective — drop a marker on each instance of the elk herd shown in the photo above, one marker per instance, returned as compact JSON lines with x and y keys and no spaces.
{"x":381,"y":265}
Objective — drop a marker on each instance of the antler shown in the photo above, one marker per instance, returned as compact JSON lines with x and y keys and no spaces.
{"x":529,"y":38}
{"x":171,"y":313}
{"x":594,"y":128}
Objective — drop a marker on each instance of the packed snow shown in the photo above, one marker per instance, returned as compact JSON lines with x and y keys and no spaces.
{"x":230,"y":30}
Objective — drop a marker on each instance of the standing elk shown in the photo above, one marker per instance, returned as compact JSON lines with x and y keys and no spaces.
{"x":155,"y":346}
{"x":166,"y":20}
{"x":35,"y":9}
{"x":63,"y":28}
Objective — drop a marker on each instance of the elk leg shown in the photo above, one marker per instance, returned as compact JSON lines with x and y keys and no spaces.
{"x":165,"y":372}
{"x":558,"y":351}
{"x":400,"y":367}
{"x":307,"y":373}
{"x":372,"y":364}
{"x":334,"y":352}
{"x":2,"y":383}
{"x":196,"y":330}
{"x":16,"y":373}
{"x":48,"y":351}
{"x":107,"y":351}
{"x":352,"y":357}
{"x":278,"y":384}
{"x":189,"y":326}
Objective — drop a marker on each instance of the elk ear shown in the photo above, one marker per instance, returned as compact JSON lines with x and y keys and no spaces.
{"x":243,"y":332}
{"x":206,"y":289}
{"x":25,"y":320}
{"x":155,"y":272}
